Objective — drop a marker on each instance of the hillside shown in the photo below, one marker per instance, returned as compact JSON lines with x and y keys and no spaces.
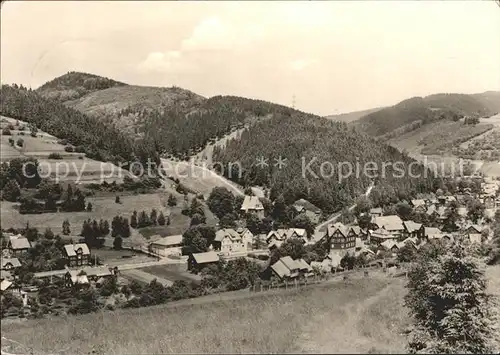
{"x":73,"y":85}
{"x":300,"y":139}
{"x":420,"y":111}
{"x":97,"y":138}
{"x":490,"y":99}
{"x":352,"y":116}
{"x":345,"y":317}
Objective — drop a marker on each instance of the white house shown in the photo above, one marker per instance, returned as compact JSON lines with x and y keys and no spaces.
{"x":252,"y":204}
{"x":171,"y":245}
{"x":229,"y":241}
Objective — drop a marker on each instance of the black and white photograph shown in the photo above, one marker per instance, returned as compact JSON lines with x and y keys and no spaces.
{"x":250,"y":177}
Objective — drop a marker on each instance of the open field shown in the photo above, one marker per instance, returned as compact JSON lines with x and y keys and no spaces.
{"x":363,"y":315}
{"x":438,"y":137}
{"x":271,"y":322}
{"x":103,"y":208}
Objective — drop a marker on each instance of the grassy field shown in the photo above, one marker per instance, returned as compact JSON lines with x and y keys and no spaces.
{"x":358,"y":316}
{"x":103,"y":207}
{"x":438,"y":138}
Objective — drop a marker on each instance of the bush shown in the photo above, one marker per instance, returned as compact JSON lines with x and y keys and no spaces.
{"x":20,"y":142}
{"x":69,"y":149}
{"x":55,"y":156}
{"x":6,"y":132}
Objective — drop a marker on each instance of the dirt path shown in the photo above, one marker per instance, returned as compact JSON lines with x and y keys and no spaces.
{"x":326,"y":333}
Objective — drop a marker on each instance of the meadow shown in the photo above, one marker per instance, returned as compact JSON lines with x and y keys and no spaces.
{"x":102,"y":208}
{"x":363,"y":315}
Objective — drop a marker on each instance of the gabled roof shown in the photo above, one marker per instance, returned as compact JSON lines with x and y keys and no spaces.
{"x":227,"y":232}
{"x":389,"y":244}
{"x":5,"y":284}
{"x":389,"y":223}
{"x":412,"y":226}
{"x":206,"y":257}
{"x":251,"y":203}
{"x":12,"y":261}
{"x":304,"y":204}
{"x":428,"y":231}
{"x":431,"y":210}
{"x":71,"y":249}
{"x":275,"y":243}
{"x":333,"y":228}
{"x":417,"y":203}
{"x":475,"y":227}
{"x":169,"y":240}
{"x":19,"y":242}
{"x":280,"y":269}
{"x":291,"y":264}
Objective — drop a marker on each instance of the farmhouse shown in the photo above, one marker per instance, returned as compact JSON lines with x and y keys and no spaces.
{"x":252,"y":204}
{"x":284,"y":234}
{"x":85,"y":276}
{"x":390,"y":245}
{"x":171,"y":245}
{"x":77,"y":254}
{"x":474,"y":233}
{"x":380,"y":235}
{"x":305,"y":207}
{"x":418,"y":205}
{"x":287,"y":268}
{"x":197,"y":261}
{"x":230,"y":241}
{"x":412,"y":229}
{"x":340,"y":236}
{"x":393,"y":224}
{"x":18,"y":245}
{"x":10,"y":263}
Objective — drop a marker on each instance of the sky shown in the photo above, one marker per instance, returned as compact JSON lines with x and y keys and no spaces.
{"x":332,"y":56}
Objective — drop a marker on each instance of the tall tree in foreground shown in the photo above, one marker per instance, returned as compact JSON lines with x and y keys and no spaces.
{"x":451,"y":309}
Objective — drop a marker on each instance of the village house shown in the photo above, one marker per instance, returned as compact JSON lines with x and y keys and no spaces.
{"x":376,"y":212}
{"x":18,"y":245}
{"x":167,"y":246}
{"x":393,"y":224}
{"x":431,"y":232}
{"x":340,"y":236}
{"x":286,"y":268}
{"x":418,"y":205}
{"x":380,"y":235}
{"x":474,"y":233}
{"x":281,"y":235}
{"x":305,"y":207}
{"x":229,"y":241}
{"x":252,"y":204}
{"x":412,"y":229}
{"x":198,"y":261}
{"x":10,"y":263}
{"x":84,"y":276}
{"x":391,"y":245}
{"x":77,"y":254}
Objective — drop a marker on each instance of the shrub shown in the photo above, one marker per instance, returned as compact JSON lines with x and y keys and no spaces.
{"x":69,"y":149}
{"x":55,"y":156}
{"x":6,"y":132}
{"x":20,"y":142}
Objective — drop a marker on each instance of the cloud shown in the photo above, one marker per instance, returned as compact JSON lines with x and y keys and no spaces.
{"x":301,"y":64}
{"x":211,"y":35}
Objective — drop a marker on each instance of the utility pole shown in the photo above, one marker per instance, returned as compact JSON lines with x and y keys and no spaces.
{"x":293,"y":101}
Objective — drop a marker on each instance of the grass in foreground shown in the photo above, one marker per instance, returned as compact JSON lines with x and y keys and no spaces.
{"x":359,"y":316}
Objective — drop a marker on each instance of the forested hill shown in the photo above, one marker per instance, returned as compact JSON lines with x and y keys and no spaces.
{"x":175,"y":121}
{"x":98,"y":138}
{"x":298,"y":138}
{"x":74,"y":85}
{"x":418,"y":110}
